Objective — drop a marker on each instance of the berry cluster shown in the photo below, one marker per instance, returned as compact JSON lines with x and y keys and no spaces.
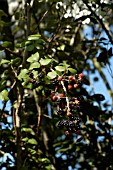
{"x":35,"y":81}
{"x":68,"y":105}
{"x":67,"y":102}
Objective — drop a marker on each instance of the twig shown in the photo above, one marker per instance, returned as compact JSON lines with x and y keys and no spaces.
{"x":10,"y":51}
{"x":28,"y":17}
{"x":67,"y":100}
{"x":74,"y":36}
{"x":98,"y":67}
{"x":17,"y":126}
{"x":38,"y":110}
{"x":100,"y":21}
{"x":42,"y":16}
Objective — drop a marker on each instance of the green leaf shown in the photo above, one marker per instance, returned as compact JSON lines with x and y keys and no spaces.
{"x":98,"y":97}
{"x":2,"y":13}
{"x":27,"y":43}
{"x":7,"y":44}
{"x":28,"y":130}
{"x":16,"y":61}
{"x":32,"y":151}
{"x":23,"y":74}
{"x":44,"y":62}
{"x":60,"y":68}
{"x":73,"y":71}
{"x":34,"y":37}
{"x":34,"y":65}
{"x":25,"y":139}
{"x":4,"y":95}
{"x":32,"y":141}
{"x":4,"y":61}
{"x":30,"y":47}
{"x":52,"y":74}
{"x":34,"y":57}
{"x":45,"y":160}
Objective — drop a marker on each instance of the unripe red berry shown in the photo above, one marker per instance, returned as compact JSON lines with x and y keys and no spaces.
{"x":76,"y":101}
{"x":54,"y":98}
{"x":31,"y":81}
{"x":68,"y":113}
{"x":81,"y":75}
{"x":70,"y":77}
{"x":52,"y":94}
{"x":75,"y":85}
{"x":77,"y":132}
{"x":67,"y":133}
{"x":59,"y":78}
{"x":70,"y":87}
{"x":61,"y":95}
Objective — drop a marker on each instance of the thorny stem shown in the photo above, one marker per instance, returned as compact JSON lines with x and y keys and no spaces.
{"x":38,"y":110}
{"x":17,"y":125}
{"x":67,"y":100}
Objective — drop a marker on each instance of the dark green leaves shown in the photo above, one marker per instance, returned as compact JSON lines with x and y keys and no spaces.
{"x":98,"y":97}
{"x":34,"y":42}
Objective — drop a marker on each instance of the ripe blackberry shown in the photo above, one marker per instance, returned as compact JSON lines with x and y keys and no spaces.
{"x":80,"y":98}
{"x":37,"y":84}
{"x":55,"y":82}
{"x":31,"y":75}
{"x":71,"y":124}
{"x":40,"y":76}
{"x":47,"y":92}
{"x":61,"y":123}
{"x":60,"y":112}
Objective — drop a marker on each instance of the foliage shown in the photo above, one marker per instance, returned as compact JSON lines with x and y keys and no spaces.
{"x":40,"y":41}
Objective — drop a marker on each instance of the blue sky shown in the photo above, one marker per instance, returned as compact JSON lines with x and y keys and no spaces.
{"x":99,"y":86}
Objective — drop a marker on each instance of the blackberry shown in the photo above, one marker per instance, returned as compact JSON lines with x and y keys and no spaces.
{"x":47,"y":92}
{"x":59,"y":112}
{"x":61,"y":123}
{"x":77,"y":127}
{"x":40,"y":76}
{"x":55,"y":82}
{"x":31,"y":75}
{"x":37,"y":84}
{"x":76,"y":76}
{"x":66,"y":123}
{"x":71,"y":117}
{"x":80,"y":98}
{"x":71,"y":124}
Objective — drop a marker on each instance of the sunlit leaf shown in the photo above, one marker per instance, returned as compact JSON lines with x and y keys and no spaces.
{"x":44,"y":62}
{"x":73,"y":71}
{"x":34,"y":57}
{"x":34,"y":37}
{"x":60,"y":68}
{"x":4,"y":95}
{"x":4,"y":61}
{"x":52,"y":75}
{"x":22,"y":74}
{"x":32,"y":141}
{"x":34,"y":65}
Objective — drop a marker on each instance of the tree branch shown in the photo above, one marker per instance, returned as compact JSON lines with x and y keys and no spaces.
{"x":100,"y":21}
{"x":38,"y":110}
{"x":28,"y":17}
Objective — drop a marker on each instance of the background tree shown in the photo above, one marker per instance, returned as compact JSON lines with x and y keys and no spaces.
{"x":41,"y":41}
